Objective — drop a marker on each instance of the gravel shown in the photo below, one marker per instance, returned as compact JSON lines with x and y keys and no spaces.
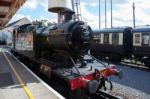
{"x":134,"y":85}
{"x":125,"y":92}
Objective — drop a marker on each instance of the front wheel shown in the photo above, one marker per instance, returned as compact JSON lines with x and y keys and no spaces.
{"x":79,"y":94}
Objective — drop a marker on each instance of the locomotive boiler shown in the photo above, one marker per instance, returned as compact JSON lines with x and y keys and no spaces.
{"x":71,"y":37}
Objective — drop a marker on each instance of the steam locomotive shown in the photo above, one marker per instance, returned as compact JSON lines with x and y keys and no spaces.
{"x":61,"y":53}
{"x":119,"y":43}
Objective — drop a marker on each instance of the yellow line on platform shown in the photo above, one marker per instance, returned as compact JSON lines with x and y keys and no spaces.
{"x":19,"y":79}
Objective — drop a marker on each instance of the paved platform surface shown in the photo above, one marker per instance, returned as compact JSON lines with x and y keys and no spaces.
{"x":17,"y":82}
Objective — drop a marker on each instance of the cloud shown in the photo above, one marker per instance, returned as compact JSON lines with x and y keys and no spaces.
{"x":31,"y":4}
{"x":20,"y":16}
{"x":93,"y":19}
{"x":125,"y":13}
{"x":122,"y":12}
{"x":50,"y":20}
{"x":89,"y":17}
{"x":92,"y":4}
{"x":89,"y":2}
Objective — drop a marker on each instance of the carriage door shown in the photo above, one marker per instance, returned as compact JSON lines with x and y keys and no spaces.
{"x":149,"y":39}
{"x":137,"y":39}
{"x":106,"y":38}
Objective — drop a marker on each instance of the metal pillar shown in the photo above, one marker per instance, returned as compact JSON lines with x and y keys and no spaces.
{"x":72,"y":2}
{"x":99,"y":14}
{"x":111,"y":14}
{"x":133,"y":15}
{"x":105,"y":15}
{"x":77,"y":8}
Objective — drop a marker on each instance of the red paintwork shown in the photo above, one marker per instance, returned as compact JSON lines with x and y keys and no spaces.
{"x":81,"y":82}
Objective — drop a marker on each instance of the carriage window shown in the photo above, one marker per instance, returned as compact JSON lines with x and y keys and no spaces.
{"x":115,"y":38}
{"x":97,"y":38}
{"x":106,"y":38}
{"x":145,"y":39}
{"x":137,"y":39}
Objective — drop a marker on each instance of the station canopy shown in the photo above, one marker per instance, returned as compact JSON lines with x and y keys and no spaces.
{"x":8,"y":8}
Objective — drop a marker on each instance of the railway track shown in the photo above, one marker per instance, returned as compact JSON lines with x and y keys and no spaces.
{"x":129,"y":64}
{"x":102,"y":95}
{"x":138,"y":66}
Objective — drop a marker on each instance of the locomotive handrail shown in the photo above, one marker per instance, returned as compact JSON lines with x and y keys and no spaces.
{"x":98,"y":61}
{"x":74,"y":64}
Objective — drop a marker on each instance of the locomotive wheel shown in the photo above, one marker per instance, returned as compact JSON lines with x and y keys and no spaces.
{"x":63,"y":90}
{"x":66,"y":91}
{"x":78,"y":94}
{"x":60,"y":86}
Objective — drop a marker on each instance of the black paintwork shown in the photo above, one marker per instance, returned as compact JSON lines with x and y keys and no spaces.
{"x":127,"y":49}
{"x":141,"y":51}
{"x":110,"y":49}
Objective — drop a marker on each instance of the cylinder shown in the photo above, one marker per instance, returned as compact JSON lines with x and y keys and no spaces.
{"x":58,"y":6}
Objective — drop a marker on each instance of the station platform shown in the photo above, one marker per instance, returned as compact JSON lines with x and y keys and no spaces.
{"x":18,"y":82}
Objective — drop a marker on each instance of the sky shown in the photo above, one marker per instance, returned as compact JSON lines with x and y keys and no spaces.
{"x":122,"y":12}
